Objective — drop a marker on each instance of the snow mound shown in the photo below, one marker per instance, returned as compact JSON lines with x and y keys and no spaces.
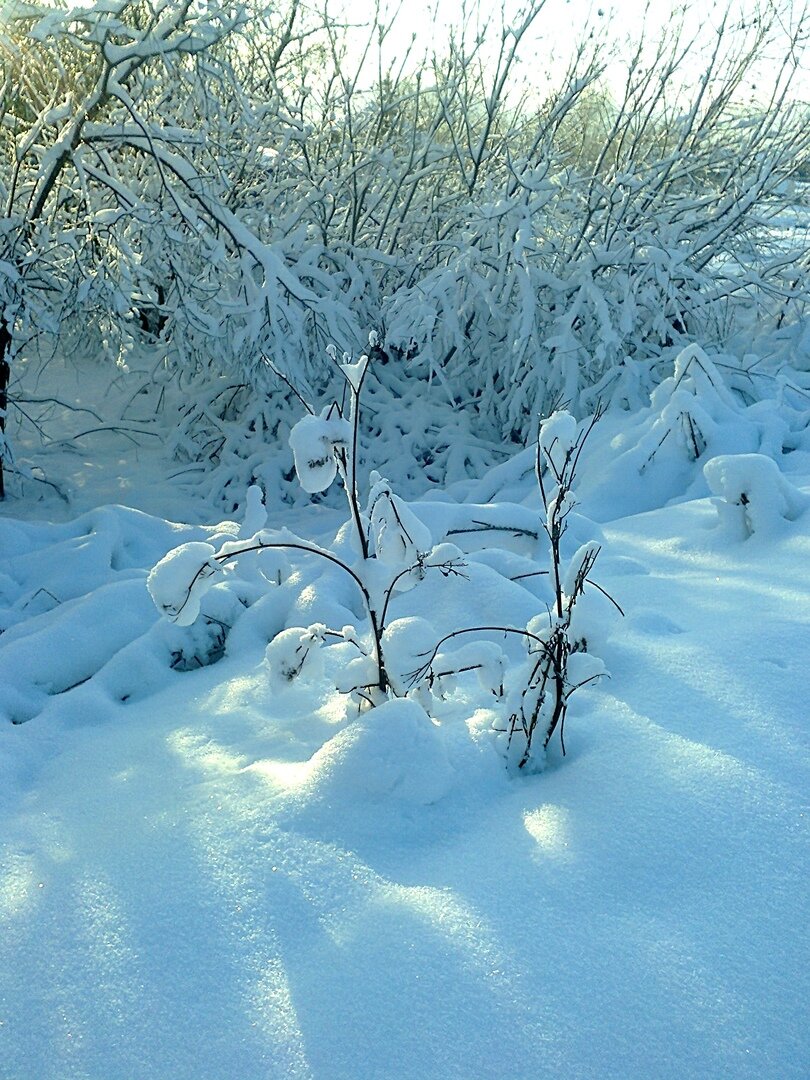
{"x":73,"y":603}
{"x":753,"y":495}
{"x":394,"y":752}
{"x":643,"y":461}
{"x":399,"y":535}
{"x":407,"y":642}
{"x":290,"y":650}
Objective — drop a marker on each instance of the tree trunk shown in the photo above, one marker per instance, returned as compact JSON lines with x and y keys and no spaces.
{"x":5,"y":373}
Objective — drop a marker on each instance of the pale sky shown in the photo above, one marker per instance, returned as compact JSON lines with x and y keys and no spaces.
{"x":550,"y":42}
{"x":562,"y":22}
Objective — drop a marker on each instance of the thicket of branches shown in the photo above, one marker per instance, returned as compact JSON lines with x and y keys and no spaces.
{"x":220,"y":192}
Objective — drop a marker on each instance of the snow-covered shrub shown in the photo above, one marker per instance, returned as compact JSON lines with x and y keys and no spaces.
{"x":516,"y":248}
{"x":690,"y":404}
{"x":71,"y":230}
{"x":753,"y":496}
{"x":384,"y":549}
{"x":640,"y":460}
{"x":559,"y":660}
{"x":558,"y":641}
{"x":629,"y":225}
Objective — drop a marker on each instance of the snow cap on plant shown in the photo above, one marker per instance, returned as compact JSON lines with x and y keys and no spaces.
{"x":292,"y":649}
{"x":354,"y":373}
{"x":316,"y":442}
{"x":400,"y":538}
{"x":752,"y":494}
{"x":179,"y":581}
{"x":255,"y":516}
{"x":557,"y":436}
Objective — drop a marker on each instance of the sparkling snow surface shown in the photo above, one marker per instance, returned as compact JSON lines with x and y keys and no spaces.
{"x":214,"y":880}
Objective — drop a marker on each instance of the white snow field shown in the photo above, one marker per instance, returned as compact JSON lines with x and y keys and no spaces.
{"x":205,"y":875}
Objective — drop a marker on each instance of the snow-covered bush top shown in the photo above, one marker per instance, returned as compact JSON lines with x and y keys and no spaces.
{"x":386,"y":550}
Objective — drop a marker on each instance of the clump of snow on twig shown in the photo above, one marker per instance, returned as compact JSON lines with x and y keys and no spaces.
{"x":558,"y":435}
{"x":179,"y":581}
{"x":316,"y":442}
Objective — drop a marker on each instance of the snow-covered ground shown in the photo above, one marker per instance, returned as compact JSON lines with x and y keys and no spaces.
{"x":203,"y":876}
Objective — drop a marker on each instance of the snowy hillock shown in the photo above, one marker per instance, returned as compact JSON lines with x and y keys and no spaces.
{"x":73,"y":603}
{"x":754,"y":496}
{"x":657,"y":453}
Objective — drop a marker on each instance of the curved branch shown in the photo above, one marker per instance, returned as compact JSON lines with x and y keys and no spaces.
{"x":419,"y":673}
